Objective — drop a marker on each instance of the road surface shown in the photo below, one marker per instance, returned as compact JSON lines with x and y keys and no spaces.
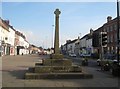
{"x":14,"y":68}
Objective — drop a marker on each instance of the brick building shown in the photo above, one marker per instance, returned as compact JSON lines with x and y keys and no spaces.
{"x":111,"y":28}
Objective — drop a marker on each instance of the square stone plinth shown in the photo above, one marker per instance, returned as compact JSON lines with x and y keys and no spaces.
{"x":57,"y":62}
{"x":56,"y":56}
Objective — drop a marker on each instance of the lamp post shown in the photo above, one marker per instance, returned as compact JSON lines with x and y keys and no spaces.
{"x":118,"y":26}
{"x":52,"y":35}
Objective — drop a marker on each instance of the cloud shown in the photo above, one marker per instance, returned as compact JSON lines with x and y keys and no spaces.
{"x":38,"y":39}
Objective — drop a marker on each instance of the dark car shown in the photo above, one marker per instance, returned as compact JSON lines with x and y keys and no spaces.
{"x":106,"y":59}
{"x":111,"y":65}
{"x":115,"y":68}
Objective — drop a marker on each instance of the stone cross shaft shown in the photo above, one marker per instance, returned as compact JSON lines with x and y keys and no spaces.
{"x":56,"y":39}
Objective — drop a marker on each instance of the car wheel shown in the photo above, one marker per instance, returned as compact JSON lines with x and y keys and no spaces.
{"x":106,"y":67}
{"x":111,"y":70}
{"x":98,"y":63}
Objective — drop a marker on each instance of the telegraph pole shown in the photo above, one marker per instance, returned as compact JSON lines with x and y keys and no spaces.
{"x":118,"y":26}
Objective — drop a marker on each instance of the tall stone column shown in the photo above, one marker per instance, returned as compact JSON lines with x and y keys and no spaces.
{"x":56,"y":39}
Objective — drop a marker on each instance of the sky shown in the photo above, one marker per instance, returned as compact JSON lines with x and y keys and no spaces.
{"x":37,"y":19}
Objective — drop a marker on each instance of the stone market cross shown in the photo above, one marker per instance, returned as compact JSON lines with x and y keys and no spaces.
{"x":56,"y":39}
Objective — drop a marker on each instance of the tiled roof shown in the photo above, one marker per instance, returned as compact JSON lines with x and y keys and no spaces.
{"x":72,"y":41}
{"x":4,"y":25}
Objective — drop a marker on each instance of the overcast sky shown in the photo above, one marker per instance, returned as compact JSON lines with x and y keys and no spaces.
{"x":36,"y":19}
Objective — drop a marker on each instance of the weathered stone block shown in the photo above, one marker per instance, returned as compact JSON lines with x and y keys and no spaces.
{"x":77,"y":69}
{"x":58,"y":76}
{"x":57,"y":62}
{"x":31,"y":69}
{"x":57,"y":69}
{"x":43,"y":69}
{"x":57,"y":56}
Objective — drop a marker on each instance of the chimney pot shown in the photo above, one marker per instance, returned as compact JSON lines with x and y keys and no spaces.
{"x":109,"y":18}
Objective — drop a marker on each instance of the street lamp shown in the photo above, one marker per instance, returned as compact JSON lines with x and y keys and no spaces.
{"x":118,"y":26}
{"x":52,"y":35}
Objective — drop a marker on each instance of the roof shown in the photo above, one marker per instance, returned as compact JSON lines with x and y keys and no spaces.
{"x":20,"y":34}
{"x":84,"y":36}
{"x":4,"y":25}
{"x":73,"y":41}
{"x":111,"y":21}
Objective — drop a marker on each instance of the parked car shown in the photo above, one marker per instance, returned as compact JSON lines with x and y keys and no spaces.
{"x":106,"y":59}
{"x":115,"y":69}
{"x":72,"y":55}
{"x":84,"y":61}
{"x":98,"y":62}
{"x":111,"y":65}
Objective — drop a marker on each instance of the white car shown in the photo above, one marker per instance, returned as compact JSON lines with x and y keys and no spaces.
{"x":98,"y":62}
{"x":72,"y":55}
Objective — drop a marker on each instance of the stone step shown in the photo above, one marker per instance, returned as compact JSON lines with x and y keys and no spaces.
{"x":58,"y":76}
{"x":57,"y":69}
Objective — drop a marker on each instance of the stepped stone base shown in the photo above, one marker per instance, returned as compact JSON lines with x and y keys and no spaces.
{"x":56,"y":69}
{"x":58,"y":76}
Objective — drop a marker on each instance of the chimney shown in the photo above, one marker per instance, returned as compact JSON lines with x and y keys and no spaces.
{"x":109,"y":18}
{"x":68,"y":41}
{"x":7,"y":21}
{"x":91,"y":31}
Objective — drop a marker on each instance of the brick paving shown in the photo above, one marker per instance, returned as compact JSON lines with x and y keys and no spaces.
{"x":14,"y":68}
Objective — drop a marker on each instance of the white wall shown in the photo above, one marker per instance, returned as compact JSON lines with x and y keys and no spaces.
{"x":71,"y":48}
{"x":26,"y":45}
{"x":21,"y":40}
{"x":89,"y":45}
{"x":0,"y":34}
{"x":11,"y":36}
{"x":3,"y":34}
{"x":83,"y":42}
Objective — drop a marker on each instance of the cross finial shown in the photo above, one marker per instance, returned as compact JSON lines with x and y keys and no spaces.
{"x":57,"y":12}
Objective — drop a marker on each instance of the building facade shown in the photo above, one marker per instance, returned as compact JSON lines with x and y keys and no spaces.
{"x":111,"y":28}
{"x":12,"y":42}
{"x":4,"y":31}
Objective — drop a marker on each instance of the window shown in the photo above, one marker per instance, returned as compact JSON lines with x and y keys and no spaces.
{"x":108,"y":49}
{"x":107,"y":29}
{"x":116,"y":49}
{"x":108,"y":39}
{"x":104,"y":30}
{"x":111,"y":48}
{"x":111,"y":28}
{"x":111,"y":38}
{"x":115,"y":37}
{"x":115,"y":27}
